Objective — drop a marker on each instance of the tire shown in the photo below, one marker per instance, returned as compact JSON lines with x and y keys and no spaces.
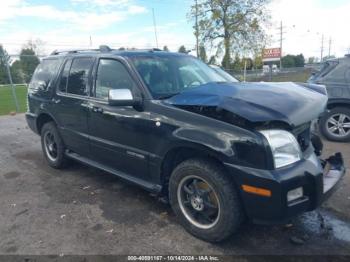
{"x":333,"y":128}
{"x":56,"y":157}
{"x":229,"y":209}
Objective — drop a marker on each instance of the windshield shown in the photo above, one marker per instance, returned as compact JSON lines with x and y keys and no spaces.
{"x":169,"y":75}
{"x":326,"y":68}
{"x":224,"y":74}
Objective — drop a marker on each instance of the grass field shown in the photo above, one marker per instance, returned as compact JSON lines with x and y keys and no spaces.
{"x":7,"y":103}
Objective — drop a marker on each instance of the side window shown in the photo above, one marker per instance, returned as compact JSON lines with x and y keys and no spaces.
{"x":62,"y":86}
{"x":111,"y":74}
{"x":44,"y":74}
{"x":78,"y":76}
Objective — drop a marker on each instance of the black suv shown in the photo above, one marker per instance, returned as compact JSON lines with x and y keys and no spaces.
{"x":218,"y":151}
{"x":335,"y":75}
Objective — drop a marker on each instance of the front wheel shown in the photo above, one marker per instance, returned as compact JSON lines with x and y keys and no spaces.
{"x":205,"y":200}
{"x":335,"y":124}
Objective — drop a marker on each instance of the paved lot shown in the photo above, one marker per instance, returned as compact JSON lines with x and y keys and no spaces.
{"x":82,"y":210}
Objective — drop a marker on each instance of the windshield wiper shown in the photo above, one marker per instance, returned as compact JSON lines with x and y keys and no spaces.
{"x":168,"y":96}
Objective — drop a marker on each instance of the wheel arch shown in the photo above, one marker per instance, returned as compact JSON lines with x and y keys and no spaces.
{"x":333,"y":103}
{"x":42,"y":119}
{"x":178,"y":154}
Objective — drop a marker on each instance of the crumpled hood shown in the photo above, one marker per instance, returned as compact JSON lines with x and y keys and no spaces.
{"x":291,"y":103}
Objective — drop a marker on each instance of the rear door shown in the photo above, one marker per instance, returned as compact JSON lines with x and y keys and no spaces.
{"x":73,"y":92}
{"x":118,"y":134}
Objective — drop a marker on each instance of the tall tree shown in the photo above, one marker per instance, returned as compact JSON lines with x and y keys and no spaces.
{"x":182,"y":49}
{"x":17,"y":72}
{"x":231,"y":24}
{"x":4,"y":58}
{"x":212,"y":60}
{"x":29,"y":62}
{"x":203,"y":54}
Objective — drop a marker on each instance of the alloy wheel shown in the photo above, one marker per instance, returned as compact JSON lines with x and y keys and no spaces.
{"x":338,"y":125}
{"x":199,"y":202}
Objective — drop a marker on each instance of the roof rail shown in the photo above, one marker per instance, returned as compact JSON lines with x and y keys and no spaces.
{"x":102,"y":48}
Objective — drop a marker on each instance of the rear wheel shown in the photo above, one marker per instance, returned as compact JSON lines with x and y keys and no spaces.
{"x":52,"y":146}
{"x":205,"y":200}
{"x":335,"y":125}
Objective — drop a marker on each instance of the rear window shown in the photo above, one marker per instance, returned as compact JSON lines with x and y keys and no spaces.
{"x":79,"y":75}
{"x":44,"y":74}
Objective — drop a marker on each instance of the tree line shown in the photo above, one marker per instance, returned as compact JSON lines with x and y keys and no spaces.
{"x":22,"y":68}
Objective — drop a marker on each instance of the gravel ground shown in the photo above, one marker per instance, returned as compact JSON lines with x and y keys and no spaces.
{"x":82,"y":210}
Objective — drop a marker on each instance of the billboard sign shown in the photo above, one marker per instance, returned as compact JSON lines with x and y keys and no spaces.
{"x":271,"y":54}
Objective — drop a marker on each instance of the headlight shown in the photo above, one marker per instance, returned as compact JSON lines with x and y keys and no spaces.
{"x":285,"y":148}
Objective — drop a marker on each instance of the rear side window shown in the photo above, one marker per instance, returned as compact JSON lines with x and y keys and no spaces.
{"x":62,"y":86}
{"x":78,"y":76}
{"x":44,"y":74}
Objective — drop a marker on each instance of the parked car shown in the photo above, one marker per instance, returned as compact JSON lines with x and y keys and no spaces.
{"x":335,"y":75}
{"x":224,"y":74}
{"x":219,"y":151}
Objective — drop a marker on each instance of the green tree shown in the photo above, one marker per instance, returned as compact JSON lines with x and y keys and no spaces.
{"x":17,"y":72}
{"x":202,"y":54}
{"x":293,"y":61}
{"x":212,"y":60}
{"x":248,"y":61}
{"x":4,"y":58}
{"x":226,"y":61}
{"x":311,"y":60}
{"x":29,"y":62}
{"x":288,"y":61}
{"x":231,"y":24}
{"x":299,"y":60}
{"x":165,"y":48}
{"x":182,"y":49}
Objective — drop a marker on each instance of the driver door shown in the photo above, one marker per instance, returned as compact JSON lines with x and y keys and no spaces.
{"x":118,"y":134}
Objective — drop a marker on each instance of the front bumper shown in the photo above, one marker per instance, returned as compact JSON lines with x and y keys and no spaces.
{"x":318,"y":178}
{"x":31,"y":121}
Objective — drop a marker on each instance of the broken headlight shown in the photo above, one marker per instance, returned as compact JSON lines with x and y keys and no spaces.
{"x":285,"y":148}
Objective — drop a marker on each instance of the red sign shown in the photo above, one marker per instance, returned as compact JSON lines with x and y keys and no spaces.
{"x":271,"y":54}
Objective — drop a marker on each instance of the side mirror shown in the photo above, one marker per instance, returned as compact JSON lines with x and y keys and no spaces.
{"x":121,"y":97}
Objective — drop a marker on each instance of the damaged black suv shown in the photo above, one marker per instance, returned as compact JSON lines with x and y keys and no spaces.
{"x":220,"y":152}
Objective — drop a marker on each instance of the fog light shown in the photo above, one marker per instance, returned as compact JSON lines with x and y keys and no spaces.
{"x":295,"y":194}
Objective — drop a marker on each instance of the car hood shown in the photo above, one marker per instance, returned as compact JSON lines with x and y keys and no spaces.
{"x":292,"y":103}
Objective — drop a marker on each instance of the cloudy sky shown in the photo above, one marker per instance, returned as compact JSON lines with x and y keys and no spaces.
{"x":63,"y":24}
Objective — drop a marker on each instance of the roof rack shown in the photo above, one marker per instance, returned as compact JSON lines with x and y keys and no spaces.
{"x":102,"y":49}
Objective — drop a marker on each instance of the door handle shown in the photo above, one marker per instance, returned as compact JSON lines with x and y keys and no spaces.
{"x":97,"y":109}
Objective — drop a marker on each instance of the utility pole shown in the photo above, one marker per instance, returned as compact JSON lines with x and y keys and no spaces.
{"x":155,"y":27}
{"x":281,"y":42}
{"x":329,"y":46}
{"x":197,"y":30}
{"x":322,"y":41}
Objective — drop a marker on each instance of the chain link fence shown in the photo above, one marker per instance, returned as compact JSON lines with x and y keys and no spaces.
{"x":296,"y":74}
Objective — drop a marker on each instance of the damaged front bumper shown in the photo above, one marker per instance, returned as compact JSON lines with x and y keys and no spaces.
{"x":313,"y":179}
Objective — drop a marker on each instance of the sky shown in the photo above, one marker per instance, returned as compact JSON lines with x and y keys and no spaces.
{"x":64,"y":24}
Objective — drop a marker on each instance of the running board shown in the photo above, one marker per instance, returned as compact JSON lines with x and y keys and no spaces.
{"x":146,"y":185}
